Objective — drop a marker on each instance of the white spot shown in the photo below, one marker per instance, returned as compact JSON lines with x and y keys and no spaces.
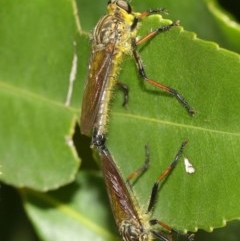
{"x":72,"y":76}
{"x":188,"y":166}
{"x":69,"y":141}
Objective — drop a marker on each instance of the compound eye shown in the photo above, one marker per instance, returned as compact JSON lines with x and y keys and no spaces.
{"x":124,"y":5}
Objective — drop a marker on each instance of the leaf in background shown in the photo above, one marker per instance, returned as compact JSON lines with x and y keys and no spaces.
{"x":78,"y":211}
{"x":229,"y":27}
{"x":230,"y":233}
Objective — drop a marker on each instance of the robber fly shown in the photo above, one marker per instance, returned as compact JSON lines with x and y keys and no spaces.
{"x":114,"y":36}
{"x":134,"y":224}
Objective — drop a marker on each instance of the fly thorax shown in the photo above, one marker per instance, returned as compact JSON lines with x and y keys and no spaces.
{"x":131,"y":230}
{"x":106,"y":31}
{"x":112,"y":34}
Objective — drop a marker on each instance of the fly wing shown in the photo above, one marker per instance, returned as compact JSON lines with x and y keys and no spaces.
{"x":100,"y":66}
{"x":122,"y":201}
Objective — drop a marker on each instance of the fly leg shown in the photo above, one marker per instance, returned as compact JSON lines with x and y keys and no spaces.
{"x":125,"y":90}
{"x":153,"y":197}
{"x":142,"y":72}
{"x":152,"y":12}
{"x":164,"y":175}
{"x":156,"y":32}
{"x":141,"y":169}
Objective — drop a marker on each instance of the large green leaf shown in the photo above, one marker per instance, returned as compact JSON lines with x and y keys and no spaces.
{"x":213,"y":134}
{"x":212,"y":87}
{"x":208,"y":77}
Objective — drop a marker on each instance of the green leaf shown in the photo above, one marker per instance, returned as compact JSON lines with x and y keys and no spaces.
{"x":228,"y":26}
{"x":36,"y":128}
{"x":77,"y":211}
{"x":200,"y":71}
{"x":180,"y":60}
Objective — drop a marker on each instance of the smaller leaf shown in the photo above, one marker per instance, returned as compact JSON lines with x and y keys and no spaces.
{"x":229,"y":27}
{"x":79,"y":211}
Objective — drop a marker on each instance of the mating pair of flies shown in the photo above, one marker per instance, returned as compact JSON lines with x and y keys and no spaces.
{"x":113,"y":37}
